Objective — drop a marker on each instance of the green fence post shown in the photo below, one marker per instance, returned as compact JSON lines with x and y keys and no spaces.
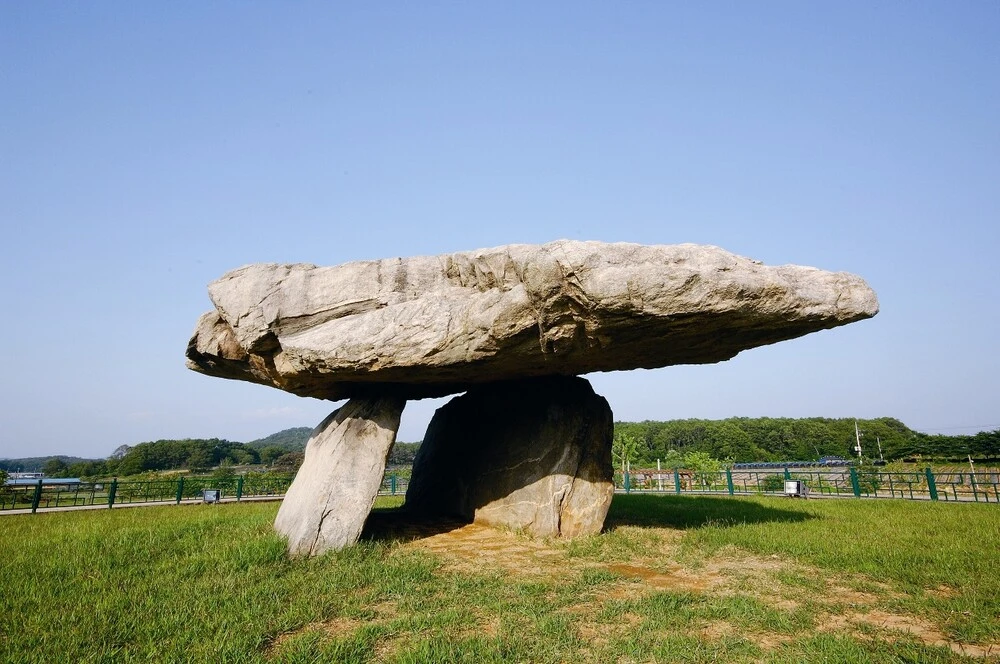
{"x":975,"y":489}
{"x":729,"y":481}
{"x":628,"y":484}
{"x":931,"y":484}
{"x":37,"y":498}
{"x":180,"y":489}
{"x":392,"y":483}
{"x":788,"y":475}
{"x":854,"y":482}
{"x":112,"y":491}
{"x":677,"y":482}
{"x":239,"y":488}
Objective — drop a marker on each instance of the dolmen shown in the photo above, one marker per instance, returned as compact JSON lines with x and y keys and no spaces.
{"x":527,"y":444}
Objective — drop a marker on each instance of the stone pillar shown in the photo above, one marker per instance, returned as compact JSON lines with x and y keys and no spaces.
{"x":328,"y":502}
{"x":532,"y":454}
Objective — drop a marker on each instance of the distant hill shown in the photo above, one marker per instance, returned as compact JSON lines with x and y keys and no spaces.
{"x":292,"y":440}
{"x":35,"y":464}
{"x":403,"y":454}
{"x":787,"y":439}
{"x":186,"y":453}
{"x":736,"y":438}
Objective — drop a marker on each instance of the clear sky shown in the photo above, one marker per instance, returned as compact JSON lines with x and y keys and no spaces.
{"x":148,"y":148}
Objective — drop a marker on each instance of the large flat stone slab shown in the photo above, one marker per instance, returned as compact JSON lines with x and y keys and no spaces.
{"x":532,"y":454}
{"x":334,"y":491}
{"x":436,"y":325}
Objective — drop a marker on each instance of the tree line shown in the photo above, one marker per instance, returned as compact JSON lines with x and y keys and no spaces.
{"x":736,"y":439}
{"x":803,"y":439}
{"x":193,"y":454}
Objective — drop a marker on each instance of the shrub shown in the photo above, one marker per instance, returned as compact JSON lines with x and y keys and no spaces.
{"x":773,"y":483}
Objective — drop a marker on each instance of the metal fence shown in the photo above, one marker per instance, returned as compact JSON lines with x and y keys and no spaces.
{"x":850,"y":482}
{"x":51,"y":494}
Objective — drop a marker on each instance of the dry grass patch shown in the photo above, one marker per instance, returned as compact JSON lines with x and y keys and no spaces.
{"x":599,"y":633}
{"x":717,"y":630}
{"x":892,"y":627}
{"x":333,"y":628}
{"x":338,"y":627}
{"x":783,"y":585}
{"x":476,"y":548}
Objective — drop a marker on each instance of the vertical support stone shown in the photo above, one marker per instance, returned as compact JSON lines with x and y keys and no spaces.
{"x":330,"y":498}
{"x":531,"y":454}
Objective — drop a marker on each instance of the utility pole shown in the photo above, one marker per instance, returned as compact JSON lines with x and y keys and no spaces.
{"x":879,"y":441}
{"x":857,"y":436}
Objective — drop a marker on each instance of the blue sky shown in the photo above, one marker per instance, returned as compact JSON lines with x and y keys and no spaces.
{"x":148,"y":148}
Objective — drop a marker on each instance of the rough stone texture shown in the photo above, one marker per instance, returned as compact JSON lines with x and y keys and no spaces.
{"x":436,"y":325}
{"x":533,"y":454}
{"x":327,"y":504}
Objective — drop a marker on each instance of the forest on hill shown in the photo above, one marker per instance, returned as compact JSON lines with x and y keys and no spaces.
{"x":735,"y":439}
{"x":290,"y":440}
{"x":194,"y":454}
{"x":281,"y":451}
{"x":802,"y":439}
{"x":35,"y":464}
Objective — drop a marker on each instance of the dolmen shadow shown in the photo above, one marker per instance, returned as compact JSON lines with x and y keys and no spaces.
{"x":693,"y":512}
{"x":397,"y":524}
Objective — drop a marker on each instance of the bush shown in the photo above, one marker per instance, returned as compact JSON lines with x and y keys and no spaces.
{"x":289,"y":463}
{"x":706,"y":469}
{"x":870,"y":481}
{"x":773,"y":483}
{"x":223,"y":472}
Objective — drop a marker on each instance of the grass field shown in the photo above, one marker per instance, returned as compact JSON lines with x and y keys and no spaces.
{"x":686,"y":579}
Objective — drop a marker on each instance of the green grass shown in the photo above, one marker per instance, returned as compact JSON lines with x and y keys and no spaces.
{"x":212,"y":583}
{"x":916,"y":547}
